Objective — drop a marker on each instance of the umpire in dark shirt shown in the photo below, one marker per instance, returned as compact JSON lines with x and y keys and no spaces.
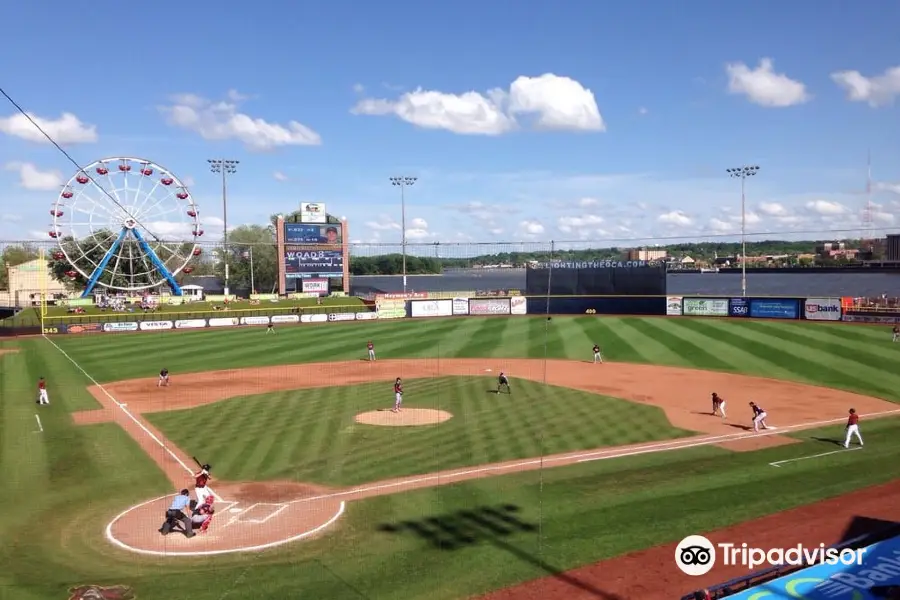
{"x":176,"y":513}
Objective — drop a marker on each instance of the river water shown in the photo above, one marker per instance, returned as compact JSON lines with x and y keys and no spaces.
{"x":678,"y":284}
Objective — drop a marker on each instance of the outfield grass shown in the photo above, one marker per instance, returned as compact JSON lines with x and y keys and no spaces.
{"x":61,"y":487}
{"x":58,"y":315}
{"x":310,"y":435}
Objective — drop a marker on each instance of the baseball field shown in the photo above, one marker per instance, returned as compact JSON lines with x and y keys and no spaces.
{"x":576,"y":484}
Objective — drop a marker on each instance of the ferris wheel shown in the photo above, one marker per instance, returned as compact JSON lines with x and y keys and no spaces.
{"x":125,"y":224}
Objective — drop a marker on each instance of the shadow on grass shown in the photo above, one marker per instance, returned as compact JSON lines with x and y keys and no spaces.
{"x":491,"y":525}
{"x":828,"y":441}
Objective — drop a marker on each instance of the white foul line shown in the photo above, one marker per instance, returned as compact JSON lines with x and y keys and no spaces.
{"x":40,"y":427}
{"x":778,"y":463}
{"x":123,"y":408}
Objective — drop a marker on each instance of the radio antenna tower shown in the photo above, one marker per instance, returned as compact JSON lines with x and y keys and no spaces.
{"x":867,"y":211}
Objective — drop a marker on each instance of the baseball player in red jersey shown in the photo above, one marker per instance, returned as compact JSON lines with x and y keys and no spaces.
{"x":759,"y":416}
{"x":852,"y":428}
{"x":42,"y":392}
{"x":718,"y":403}
{"x":371,"y":348}
{"x":203,"y":514}
{"x":398,"y":395}
{"x":201,"y":478}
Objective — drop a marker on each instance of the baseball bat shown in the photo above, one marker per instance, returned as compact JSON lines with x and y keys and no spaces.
{"x":199,"y":464}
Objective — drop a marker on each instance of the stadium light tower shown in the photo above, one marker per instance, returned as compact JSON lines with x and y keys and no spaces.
{"x":743,"y":173}
{"x":403,"y":183}
{"x":226,"y":168}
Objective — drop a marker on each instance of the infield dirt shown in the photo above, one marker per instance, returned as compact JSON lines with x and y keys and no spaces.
{"x":682,"y":393}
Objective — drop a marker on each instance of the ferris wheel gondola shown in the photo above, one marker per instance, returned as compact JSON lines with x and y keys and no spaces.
{"x":126,"y":224}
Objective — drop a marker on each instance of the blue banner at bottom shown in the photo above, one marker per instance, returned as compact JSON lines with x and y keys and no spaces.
{"x":879,"y":568}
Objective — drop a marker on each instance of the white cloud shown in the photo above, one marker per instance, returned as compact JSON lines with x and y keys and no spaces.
{"x":676,"y":218}
{"x":417,"y":229}
{"x":383,"y":223}
{"x":575,"y":224}
{"x":765,"y":87}
{"x":359,"y":88}
{"x":772,"y":209}
{"x":894,"y":188}
{"x":67,"y":129}
{"x":531,"y":228}
{"x":279,"y":176}
{"x":880,"y":90}
{"x":10,"y":218}
{"x":826,"y":208}
{"x":720,"y":226}
{"x":33,"y":179}
{"x":588,"y":202}
{"x":222,"y":121}
{"x":549,"y":102}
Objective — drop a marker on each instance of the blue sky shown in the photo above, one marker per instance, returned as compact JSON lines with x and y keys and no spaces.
{"x":579,"y":120}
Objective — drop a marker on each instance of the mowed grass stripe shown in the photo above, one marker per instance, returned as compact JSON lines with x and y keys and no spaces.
{"x":703,"y":331}
{"x":795,"y":357}
{"x":697,"y":355}
{"x":867,"y":353}
{"x":327,"y":448}
{"x":619,"y":340}
{"x":484,"y":340}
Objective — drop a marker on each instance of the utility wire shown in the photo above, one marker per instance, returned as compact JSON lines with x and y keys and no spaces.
{"x":80,"y":169}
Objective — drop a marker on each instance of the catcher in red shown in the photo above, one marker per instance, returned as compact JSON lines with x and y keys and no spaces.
{"x":202,"y":515}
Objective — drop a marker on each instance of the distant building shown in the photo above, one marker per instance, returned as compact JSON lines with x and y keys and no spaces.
{"x":25,"y":285}
{"x":892,"y":248}
{"x":835,"y":251}
{"x":646,"y":254}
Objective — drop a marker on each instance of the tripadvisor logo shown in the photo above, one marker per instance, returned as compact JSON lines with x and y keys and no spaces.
{"x":695,"y":555}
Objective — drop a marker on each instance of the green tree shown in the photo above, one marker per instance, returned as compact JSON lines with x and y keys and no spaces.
{"x":12,"y":256}
{"x":242,"y":241}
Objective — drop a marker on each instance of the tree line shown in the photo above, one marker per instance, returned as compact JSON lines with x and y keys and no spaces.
{"x":259,"y":241}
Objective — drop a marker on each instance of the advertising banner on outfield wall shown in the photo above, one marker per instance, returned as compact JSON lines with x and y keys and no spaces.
{"x":155,"y":325}
{"x":822,"y":309}
{"x":878,"y":320}
{"x":705,"y":307}
{"x":85,"y":328}
{"x":518,"y":305}
{"x":366,"y":316}
{"x":254,"y":320}
{"x":314,"y":318}
{"x":765,"y":308}
{"x":738,"y":307}
{"x":673,"y":306}
{"x":430,"y":308}
{"x":342,"y":317}
{"x":110,"y":327}
{"x":489,"y":306}
{"x":224,"y":322}
{"x":276,"y":319}
{"x":190,"y":324}
{"x":460,"y":306}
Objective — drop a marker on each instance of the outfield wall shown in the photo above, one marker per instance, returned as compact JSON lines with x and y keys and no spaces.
{"x":455,"y":304}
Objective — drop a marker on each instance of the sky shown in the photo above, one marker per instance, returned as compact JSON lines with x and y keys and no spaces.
{"x":586,"y":122}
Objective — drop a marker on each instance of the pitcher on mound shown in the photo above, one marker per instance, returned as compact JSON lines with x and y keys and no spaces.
{"x":398,"y":395}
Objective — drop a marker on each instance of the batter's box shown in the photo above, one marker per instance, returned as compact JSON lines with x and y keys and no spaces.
{"x":260,"y":512}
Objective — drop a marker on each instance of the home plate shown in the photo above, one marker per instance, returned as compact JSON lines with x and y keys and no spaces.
{"x":235,"y":511}
{"x":487,"y":370}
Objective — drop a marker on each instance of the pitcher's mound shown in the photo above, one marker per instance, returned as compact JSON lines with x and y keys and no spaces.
{"x":405,"y":418}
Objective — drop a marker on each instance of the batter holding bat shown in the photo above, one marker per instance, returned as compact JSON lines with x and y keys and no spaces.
{"x":201,"y":479}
